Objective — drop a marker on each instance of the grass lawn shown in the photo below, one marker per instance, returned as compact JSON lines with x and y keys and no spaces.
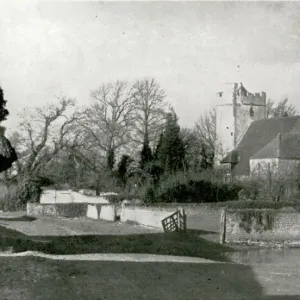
{"x":181,"y":244}
{"x":36,"y":278}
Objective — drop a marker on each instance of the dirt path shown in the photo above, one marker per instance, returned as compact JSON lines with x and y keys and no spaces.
{"x":57,"y":226}
{"x":113,"y":257}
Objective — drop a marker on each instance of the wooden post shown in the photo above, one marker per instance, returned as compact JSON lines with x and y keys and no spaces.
{"x":223,"y":227}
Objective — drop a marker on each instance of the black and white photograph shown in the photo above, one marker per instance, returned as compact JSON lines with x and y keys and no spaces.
{"x":149,"y":150}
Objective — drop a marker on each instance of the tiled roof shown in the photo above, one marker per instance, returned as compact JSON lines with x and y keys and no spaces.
{"x":259,"y":134}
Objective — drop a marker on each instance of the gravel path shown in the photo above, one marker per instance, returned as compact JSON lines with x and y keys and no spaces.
{"x":113,"y":257}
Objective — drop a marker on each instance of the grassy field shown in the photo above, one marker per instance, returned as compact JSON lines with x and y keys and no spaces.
{"x":36,"y":278}
{"x":26,"y":278}
{"x":181,"y":244}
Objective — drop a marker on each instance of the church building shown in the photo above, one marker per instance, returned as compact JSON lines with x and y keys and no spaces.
{"x":249,"y":143}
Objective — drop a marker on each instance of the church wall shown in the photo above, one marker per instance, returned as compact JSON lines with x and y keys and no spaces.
{"x":244,"y":118}
{"x":278,"y":166}
{"x":260,"y":167}
{"x":225,"y":129}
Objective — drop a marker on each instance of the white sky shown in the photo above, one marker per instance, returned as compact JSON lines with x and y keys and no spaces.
{"x":51,"y":49}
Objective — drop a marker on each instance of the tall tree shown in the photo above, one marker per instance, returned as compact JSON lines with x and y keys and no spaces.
{"x":123,"y":167}
{"x":193,"y":147}
{"x":205,"y":130}
{"x":171,"y":153}
{"x":146,"y":155}
{"x":280,"y":109}
{"x":7,"y":153}
{"x":149,"y":103}
{"x":3,"y":111}
{"x":44,"y":132}
{"x":108,"y":121}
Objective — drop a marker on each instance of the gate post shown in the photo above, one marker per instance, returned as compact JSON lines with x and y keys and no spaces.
{"x":223,"y":227}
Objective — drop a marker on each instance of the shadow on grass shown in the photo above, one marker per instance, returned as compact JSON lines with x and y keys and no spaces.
{"x":18,"y":219}
{"x":179,"y":244}
{"x":198,"y":231}
{"x":99,"y":280}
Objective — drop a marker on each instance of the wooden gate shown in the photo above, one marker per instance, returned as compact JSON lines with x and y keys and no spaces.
{"x":175,"y":222}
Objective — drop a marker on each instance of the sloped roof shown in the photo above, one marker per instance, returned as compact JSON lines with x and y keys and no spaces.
{"x":289,"y":146}
{"x":259,"y":134}
{"x":285,"y":146}
{"x":269,"y":151}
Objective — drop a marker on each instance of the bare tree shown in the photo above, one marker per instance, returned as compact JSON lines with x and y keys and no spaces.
{"x":280,"y":109}
{"x":149,"y":103}
{"x":192,"y":146}
{"x":107,"y":123}
{"x":43,"y":133}
{"x":205,"y":129}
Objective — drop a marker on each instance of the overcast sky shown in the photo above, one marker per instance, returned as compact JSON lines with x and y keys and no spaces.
{"x":54,"y":48}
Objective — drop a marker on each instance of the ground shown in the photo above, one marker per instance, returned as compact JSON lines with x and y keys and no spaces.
{"x":249,"y":275}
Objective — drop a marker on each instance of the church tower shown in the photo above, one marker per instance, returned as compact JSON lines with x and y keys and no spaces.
{"x":236,"y":110}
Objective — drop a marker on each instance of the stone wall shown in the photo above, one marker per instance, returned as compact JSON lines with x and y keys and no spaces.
{"x":103,"y":212}
{"x":69,"y":196}
{"x":145,"y":216}
{"x":253,"y":226}
{"x":73,"y":210}
{"x":200,"y":216}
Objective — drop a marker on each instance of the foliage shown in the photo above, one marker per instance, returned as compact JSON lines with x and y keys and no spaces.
{"x":30,"y":189}
{"x":123,"y":169}
{"x":260,"y":204}
{"x":171,"y":151}
{"x":192,"y":187}
{"x":207,"y":158}
{"x":8,"y":198}
{"x":280,"y":109}
{"x":251,"y":189}
{"x":110,"y":159}
{"x":3,"y":111}
{"x":146,"y":155}
{"x":264,"y":219}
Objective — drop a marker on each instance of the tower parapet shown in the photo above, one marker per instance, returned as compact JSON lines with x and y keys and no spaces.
{"x":246,"y":98}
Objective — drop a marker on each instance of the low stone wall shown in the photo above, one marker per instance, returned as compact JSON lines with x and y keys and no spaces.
{"x":264,"y":226}
{"x":68,"y":210}
{"x":69,"y":196}
{"x":200,"y":216}
{"x":73,"y":210}
{"x":151,"y":217}
{"x":103,"y":212}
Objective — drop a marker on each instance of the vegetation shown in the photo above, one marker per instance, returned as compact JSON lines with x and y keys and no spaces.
{"x":262,"y":219}
{"x":126,"y":140}
{"x":3,"y":111}
{"x":181,"y":244}
{"x":38,"y":278}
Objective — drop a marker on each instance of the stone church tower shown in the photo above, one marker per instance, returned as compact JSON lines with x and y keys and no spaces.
{"x":236,"y":110}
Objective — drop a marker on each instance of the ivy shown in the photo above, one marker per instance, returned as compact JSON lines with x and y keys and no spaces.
{"x":263,"y":220}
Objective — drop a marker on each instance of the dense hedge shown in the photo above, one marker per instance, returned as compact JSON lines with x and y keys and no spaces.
{"x":252,"y":204}
{"x":192,"y":188}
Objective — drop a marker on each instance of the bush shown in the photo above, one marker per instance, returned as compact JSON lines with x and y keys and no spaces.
{"x":251,"y":190}
{"x":192,"y":188}
{"x":8,"y":198}
{"x":258,"y":204}
{"x":29,"y":190}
